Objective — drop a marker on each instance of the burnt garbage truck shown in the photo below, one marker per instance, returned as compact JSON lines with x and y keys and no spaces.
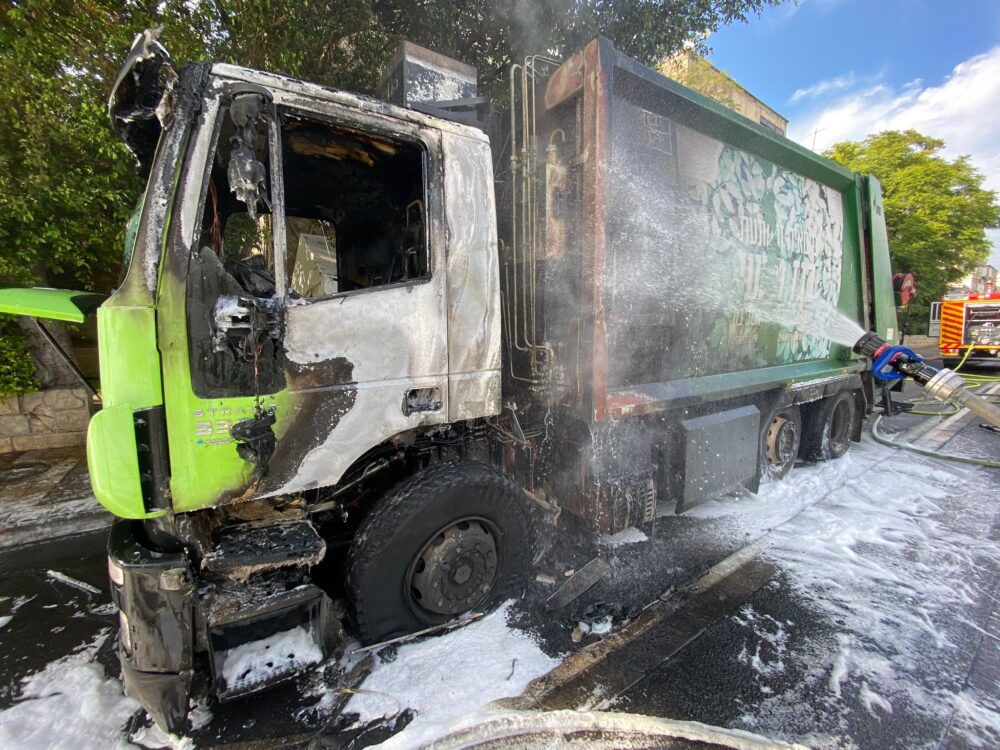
{"x":359,"y":343}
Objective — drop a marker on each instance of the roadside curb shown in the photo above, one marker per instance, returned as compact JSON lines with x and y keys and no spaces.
{"x":571,"y":684}
{"x":18,"y":536}
{"x":46,"y":495}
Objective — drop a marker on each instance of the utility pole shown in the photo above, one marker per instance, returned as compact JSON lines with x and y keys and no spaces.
{"x":815,"y":133}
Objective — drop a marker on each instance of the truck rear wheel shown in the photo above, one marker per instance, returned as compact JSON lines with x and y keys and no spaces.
{"x":779,"y":441}
{"x":452,"y":539}
{"x":827,"y":427}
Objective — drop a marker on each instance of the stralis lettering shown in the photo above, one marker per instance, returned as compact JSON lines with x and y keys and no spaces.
{"x":237,"y":412}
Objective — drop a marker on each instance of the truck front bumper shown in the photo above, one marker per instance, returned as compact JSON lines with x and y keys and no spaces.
{"x":179,"y":625}
{"x":154,"y":593}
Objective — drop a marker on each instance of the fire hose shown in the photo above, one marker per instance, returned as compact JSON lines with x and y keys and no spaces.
{"x":890,"y":363}
{"x":972,"y":381}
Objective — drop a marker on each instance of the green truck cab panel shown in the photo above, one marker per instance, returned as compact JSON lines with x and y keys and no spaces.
{"x":130,"y":362}
{"x":111,"y":459}
{"x":883,"y":297}
{"x":130,"y":380}
{"x":51,"y":304}
{"x":205,"y":467}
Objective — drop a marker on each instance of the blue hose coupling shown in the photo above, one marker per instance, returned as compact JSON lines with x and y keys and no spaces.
{"x":884,"y":367}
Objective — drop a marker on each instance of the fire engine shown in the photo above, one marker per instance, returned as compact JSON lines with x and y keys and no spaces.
{"x":969,"y":327}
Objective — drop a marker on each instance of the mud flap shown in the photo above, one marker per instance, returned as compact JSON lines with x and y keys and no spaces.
{"x":584,"y":579}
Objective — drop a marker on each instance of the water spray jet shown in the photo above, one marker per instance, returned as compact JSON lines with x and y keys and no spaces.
{"x":895,"y":362}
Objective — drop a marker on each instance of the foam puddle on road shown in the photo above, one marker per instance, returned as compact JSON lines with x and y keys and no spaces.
{"x":883,"y":534}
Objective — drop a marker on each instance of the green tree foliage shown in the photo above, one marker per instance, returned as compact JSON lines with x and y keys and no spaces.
{"x":936,"y":210}
{"x":347,"y":42}
{"x":66,"y":183}
{"x":67,"y":186}
{"x":17,"y":371}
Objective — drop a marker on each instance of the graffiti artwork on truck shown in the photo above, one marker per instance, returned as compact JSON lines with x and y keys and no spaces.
{"x":788,"y":232}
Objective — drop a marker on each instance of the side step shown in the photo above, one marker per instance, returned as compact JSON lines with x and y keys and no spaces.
{"x":260,"y":617}
{"x":262,"y":633}
{"x":244,"y":549}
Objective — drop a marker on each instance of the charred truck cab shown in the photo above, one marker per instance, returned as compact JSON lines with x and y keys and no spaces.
{"x":312,"y":301}
{"x":336,"y":389}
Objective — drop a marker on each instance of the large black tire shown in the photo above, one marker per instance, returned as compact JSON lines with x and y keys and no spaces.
{"x":780,"y":433}
{"x":454,"y":538}
{"x":827,"y":427}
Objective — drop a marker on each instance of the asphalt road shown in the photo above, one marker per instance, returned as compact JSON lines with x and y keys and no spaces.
{"x":49,"y":618}
{"x":867,"y":619}
{"x":758,"y":649}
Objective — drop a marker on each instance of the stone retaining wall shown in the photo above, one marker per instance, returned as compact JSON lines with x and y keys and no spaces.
{"x":53,"y":418}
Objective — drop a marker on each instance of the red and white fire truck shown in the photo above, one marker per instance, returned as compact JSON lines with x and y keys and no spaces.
{"x":969,"y":324}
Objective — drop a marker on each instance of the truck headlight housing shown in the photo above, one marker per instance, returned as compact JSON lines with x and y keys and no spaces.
{"x":115,"y":573}
{"x":126,"y":632}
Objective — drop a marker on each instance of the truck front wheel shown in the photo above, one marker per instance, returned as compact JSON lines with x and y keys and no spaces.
{"x":454,"y":538}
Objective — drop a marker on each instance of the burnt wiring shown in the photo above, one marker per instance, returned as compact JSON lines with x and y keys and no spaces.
{"x":215,"y":231}
{"x":509,"y":438}
{"x":370,"y":470}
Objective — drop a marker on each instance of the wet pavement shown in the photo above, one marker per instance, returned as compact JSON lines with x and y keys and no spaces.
{"x":51,"y":618}
{"x":45,"y":494}
{"x":868,"y":619}
{"x":815,"y":612}
{"x":763,"y":657}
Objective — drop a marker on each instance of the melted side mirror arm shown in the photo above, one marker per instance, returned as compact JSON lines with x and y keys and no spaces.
{"x":142,"y":101}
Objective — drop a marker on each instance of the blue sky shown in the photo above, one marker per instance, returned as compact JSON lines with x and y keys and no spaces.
{"x":842,"y":69}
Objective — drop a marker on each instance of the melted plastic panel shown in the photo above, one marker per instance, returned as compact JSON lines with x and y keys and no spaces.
{"x":218,"y":313}
{"x":473,"y":279}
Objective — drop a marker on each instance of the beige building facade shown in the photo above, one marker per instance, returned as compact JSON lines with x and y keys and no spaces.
{"x":699,"y":74}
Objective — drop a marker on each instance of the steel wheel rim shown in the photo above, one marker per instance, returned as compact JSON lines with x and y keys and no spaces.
{"x":456,"y":569}
{"x":779,"y":445}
